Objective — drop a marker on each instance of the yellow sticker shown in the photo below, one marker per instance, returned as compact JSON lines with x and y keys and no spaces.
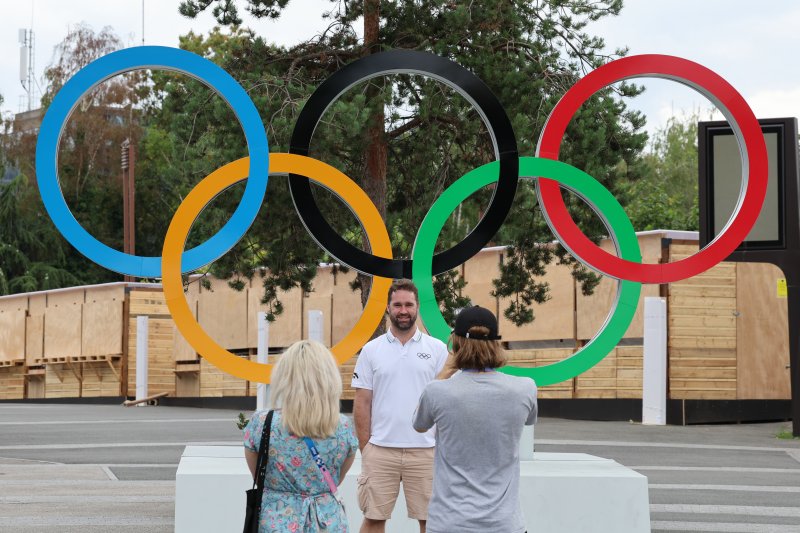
{"x":782,"y":291}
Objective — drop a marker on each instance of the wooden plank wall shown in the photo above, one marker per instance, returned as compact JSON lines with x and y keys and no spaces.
{"x":543,"y":357}
{"x":61,"y":381}
{"x":12,"y":324}
{"x":727,"y":332}
{"x":160,"y":357}
{"x":12,"y":382}
{"x":215,"y":383}
{"x":49,"y":334}
{"x":99,"y":380}
{"x":762,"y":334}
{"x":702,"y":332}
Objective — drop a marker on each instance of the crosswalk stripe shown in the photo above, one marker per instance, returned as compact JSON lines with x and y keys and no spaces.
{"x":751,"y":510}
{"x":740,"y":488}
{"x":720,"y":527}
{"x":718,"y":469}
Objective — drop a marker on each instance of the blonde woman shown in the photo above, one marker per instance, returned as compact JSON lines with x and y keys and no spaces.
{"x":298,"y":494}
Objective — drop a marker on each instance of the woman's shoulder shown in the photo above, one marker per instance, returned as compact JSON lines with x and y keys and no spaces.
{"x":262,"y":414}
{"x":345,"y":422}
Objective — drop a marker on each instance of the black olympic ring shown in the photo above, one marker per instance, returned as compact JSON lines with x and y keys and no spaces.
{"x":455,"y":76}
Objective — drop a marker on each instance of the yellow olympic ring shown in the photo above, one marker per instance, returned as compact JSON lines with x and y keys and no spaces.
{"x":218,"y":181}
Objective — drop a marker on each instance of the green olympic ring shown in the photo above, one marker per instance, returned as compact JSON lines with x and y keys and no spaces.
{"x":601,"y":200}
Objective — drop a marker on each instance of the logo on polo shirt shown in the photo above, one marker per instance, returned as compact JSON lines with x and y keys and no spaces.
{"x":355,"y":375}
{"x":423,"y":355}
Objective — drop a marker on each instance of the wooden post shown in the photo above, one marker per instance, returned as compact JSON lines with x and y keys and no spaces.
{"x":128,"y":203}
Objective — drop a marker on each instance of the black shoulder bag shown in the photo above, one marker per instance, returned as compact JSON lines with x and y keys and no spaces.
{"x":253,"y":511}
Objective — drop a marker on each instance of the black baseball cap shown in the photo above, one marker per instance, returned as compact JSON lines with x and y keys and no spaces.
{"x":476,"y":316}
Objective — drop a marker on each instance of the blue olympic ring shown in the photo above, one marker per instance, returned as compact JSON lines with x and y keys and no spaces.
{"x":163,"y":58}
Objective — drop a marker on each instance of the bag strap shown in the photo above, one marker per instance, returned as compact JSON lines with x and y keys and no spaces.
{"x":326,"y":474}
{"x":263,"y":454}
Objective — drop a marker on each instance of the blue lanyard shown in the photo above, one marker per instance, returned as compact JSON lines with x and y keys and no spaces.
{"x":321,"y":465}
{"x":487,"y":369}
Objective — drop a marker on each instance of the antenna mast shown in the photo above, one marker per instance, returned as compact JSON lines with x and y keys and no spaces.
{"x":26,"y":66}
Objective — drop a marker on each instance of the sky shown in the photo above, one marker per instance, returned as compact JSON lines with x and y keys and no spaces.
{"x":751,"y":48}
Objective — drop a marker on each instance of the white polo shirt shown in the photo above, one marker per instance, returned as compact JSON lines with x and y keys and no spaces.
{"x":396,"y":374}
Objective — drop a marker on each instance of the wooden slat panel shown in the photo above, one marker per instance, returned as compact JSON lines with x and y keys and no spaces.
{"x":160,"y":360}
{"x":708,"y":353}
{"x":703,"y":342}
{"x":285,"y":330}
{"x":718,"y":304}
{"x":702,"y":331}
{"x":482,"y":267}
{"x":12,"y":335}
{"x":99,"y":380}
{"x":37,"y":303}
{"x":187,"y":385}
{"x":61,"y":382}
{"x":12,"y":383}
{"x":73,"y":297}
{"x":211,"y":380}
{"x":480,"y":293}
{"x":102,"y":328}
{"x":222,"y":313}
{"x":34,"y":339}
{"x":554,"y":319}
{"x":14,"y":303}
{"x":147,"y":302}
{"x":694,"y":321}
{"x":599,"y":381}
{"x":703,"y":291}
{"x":762,"y":334}
{"x":105,"y":294}
{"x":62,"y":331}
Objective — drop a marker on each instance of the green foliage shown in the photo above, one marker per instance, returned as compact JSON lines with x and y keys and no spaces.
{"x":665,"y":194}
{"x":242,"y":421}
{"x":785,"y":433}
{"x":33,"y":254}
{"x":529,"y":53}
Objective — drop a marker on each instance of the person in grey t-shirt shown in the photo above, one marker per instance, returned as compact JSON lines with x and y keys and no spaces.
{"x":479,"y":414}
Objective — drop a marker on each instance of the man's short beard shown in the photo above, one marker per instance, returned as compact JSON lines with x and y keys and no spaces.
{"x":412,"y":321}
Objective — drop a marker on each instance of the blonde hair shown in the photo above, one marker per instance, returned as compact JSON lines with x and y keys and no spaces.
{"x":475,"y":354}
{"x":307,"y":387}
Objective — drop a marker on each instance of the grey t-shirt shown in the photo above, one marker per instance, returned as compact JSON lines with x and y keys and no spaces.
{"x":479,"y":419}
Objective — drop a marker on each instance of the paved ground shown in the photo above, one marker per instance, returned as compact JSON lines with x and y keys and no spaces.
{"x":80,"y":468}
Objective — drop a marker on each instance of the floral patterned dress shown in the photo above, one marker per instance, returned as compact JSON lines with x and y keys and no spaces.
{"x":296,"y":497}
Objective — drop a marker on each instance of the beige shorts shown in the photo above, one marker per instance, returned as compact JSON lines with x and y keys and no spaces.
{"x":382,"y":470}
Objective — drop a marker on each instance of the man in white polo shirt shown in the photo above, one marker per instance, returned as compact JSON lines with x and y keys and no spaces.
{"x":390,"y":375}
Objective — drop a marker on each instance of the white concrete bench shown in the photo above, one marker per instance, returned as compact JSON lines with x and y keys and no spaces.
{"x":559,"y":492}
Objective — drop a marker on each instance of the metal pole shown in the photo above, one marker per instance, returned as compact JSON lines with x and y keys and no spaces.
{"x":142,"y":334}
{"x":262,"y":391}
{"x":654,"y":374}
{"x":794,"y":348}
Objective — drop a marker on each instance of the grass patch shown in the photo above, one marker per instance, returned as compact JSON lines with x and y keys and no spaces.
{"x":786,"y":434}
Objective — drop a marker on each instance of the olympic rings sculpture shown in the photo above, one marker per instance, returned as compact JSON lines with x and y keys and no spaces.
{"x":508,"y":168}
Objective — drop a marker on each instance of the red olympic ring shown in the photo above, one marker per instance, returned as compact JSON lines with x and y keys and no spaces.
{"x":752,"y":148}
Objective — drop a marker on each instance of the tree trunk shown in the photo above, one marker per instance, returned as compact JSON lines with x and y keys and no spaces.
{"x":375,"y":153}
